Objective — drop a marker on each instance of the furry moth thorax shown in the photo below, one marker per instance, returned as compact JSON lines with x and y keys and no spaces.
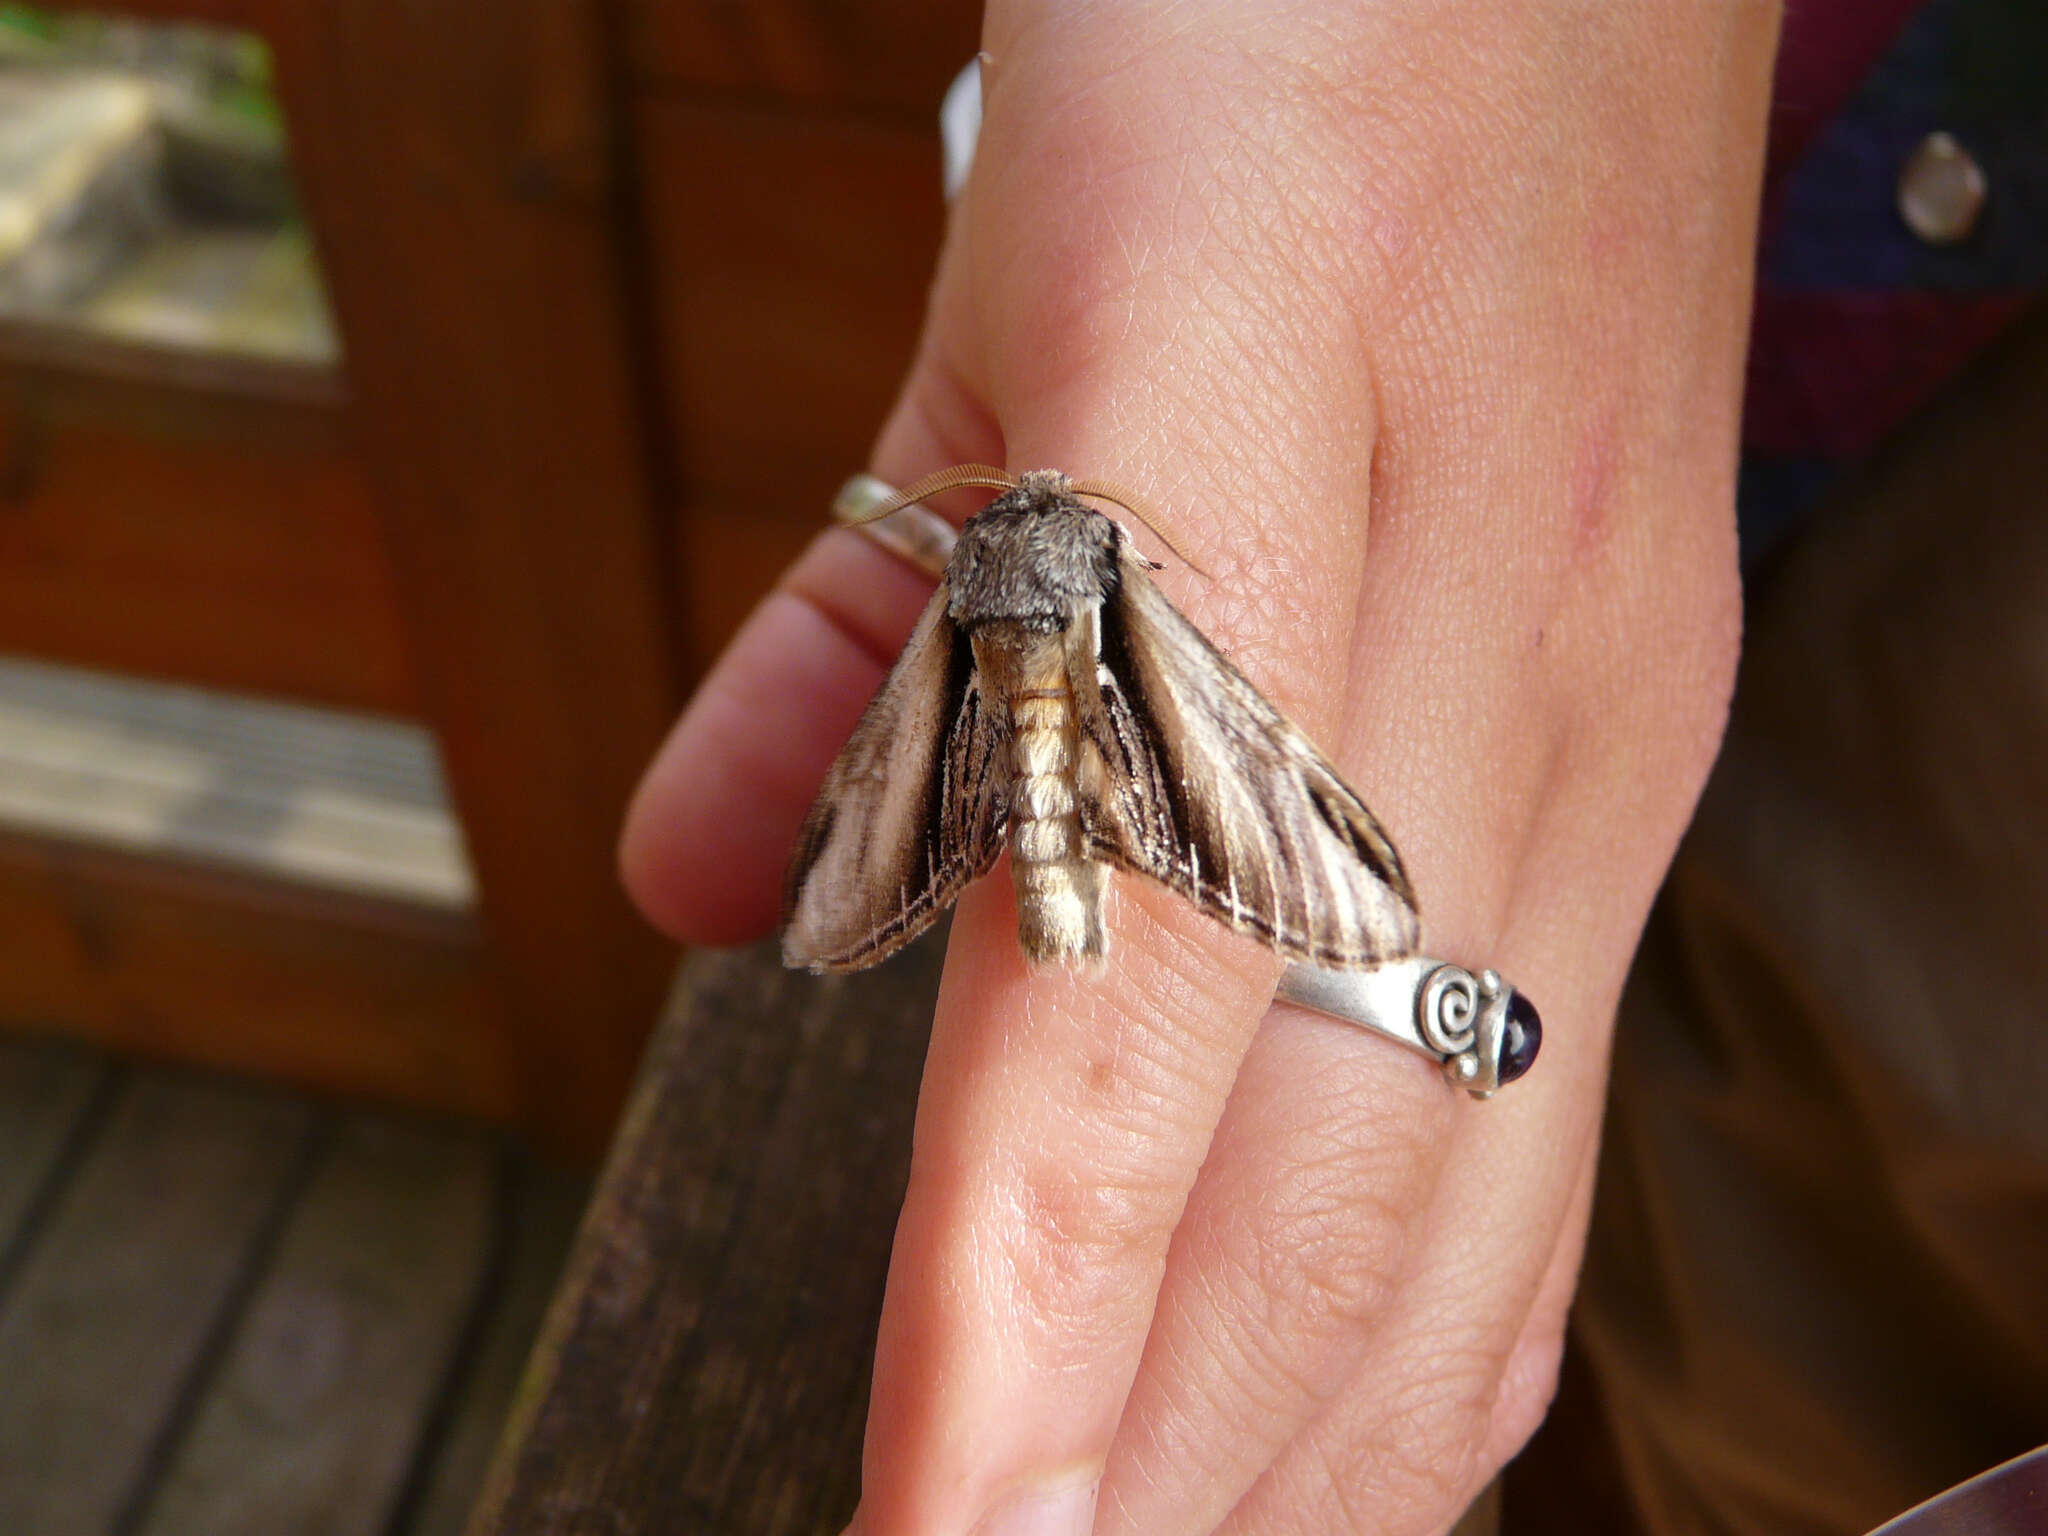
{"x":1037,"y":556}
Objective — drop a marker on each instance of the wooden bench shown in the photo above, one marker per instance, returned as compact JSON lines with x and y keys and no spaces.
{"x":705,"y":1364}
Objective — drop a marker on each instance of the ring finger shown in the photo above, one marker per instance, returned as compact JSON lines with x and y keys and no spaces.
{"x":1292,"y":1243}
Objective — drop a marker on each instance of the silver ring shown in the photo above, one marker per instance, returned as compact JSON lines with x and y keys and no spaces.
{"x":914,"y":533}
{"x":1481,"y":1031}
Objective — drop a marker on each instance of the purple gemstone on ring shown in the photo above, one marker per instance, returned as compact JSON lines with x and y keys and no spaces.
{"x":1521,"y":1037}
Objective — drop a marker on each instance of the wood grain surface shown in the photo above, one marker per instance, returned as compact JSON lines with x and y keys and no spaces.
{"x":705,"y":1366}
{"x":247,"y":559}
{"x":460,"y":169}
{"x":311,"y":1418}
{"x":47,"y":1087}
{"x":169,"y":959}
{"x":227,"y":1308}
{"x":541,"y":1208}
{"x":116,"y":1306}
{"x":839,"y":55}
{"x":795,"y":254}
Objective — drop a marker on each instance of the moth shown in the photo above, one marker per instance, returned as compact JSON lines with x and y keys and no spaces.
{"x":1052,"y":701}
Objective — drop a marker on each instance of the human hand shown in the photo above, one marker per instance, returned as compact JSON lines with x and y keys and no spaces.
{"x":1423,"y":326}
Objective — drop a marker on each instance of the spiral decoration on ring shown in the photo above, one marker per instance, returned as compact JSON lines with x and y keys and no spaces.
{"x":1447,"y":1010}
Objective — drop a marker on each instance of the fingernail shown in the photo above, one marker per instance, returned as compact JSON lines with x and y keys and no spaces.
{"x":1041,"y":1512}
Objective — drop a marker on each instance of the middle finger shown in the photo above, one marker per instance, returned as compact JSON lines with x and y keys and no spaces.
{"x":1061,"y":1121}
{"x":1292,"y":1239}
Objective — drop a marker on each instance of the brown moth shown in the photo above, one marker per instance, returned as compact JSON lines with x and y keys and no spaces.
{"x":1053,"y":701}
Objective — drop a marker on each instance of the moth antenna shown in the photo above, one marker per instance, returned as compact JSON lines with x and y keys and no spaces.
{"x":1138,"y":507}
{"x":984,"y":475}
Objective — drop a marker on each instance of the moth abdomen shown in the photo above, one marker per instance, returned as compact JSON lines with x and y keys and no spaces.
{"x":1059,"y":888}
{"x":1059,"y":910}
{"x":1046,"y":796}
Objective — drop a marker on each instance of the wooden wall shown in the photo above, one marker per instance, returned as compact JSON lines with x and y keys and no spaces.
{"x":624,"y":288}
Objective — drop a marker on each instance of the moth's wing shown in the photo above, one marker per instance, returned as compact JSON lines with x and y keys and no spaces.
{"x":1191,"y":777}
{"x":914,"y":808}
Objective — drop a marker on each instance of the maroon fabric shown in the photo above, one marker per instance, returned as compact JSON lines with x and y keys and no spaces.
{"x":1832,"y":374}
{"x":1824,"y":51}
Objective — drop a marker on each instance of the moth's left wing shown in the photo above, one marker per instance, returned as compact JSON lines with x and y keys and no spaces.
{"x":1191,"y":777}
{"x":914,"y":808}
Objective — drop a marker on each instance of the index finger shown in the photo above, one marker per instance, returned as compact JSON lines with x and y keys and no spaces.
{"x":711,"y":825}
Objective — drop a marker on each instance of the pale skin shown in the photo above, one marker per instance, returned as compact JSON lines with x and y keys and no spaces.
{"x":1422,"y":326}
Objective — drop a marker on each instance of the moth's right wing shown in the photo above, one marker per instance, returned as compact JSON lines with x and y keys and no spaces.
{"x":914,"y":808}
{"x":1191,"y":777}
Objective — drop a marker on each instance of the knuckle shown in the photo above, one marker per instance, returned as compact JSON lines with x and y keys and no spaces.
{"x":1325,"y":1256}
{"x":1310,"y":1261}
{"x":1082,"y":1246}
{"x":1330,"y":1215}
{"x":1427,"y":1450}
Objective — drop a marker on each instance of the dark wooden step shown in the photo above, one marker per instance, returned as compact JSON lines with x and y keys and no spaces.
{"x":229,"y":1308}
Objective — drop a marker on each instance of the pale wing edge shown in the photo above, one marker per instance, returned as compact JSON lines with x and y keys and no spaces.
{"x":948,"y":822}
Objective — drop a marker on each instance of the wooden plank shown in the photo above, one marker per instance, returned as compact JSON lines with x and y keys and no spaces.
{"x":309,"y":1424}
{"x":112,"y":1313}
{"x":136,"y":545}
{"x":210,"y":966}
{"x":544,"y":1207}
{"x":705,"y":1365}
{"x":457,"y":166}
{"x":794,"y":255}
{"x":349,"y":802}
{"x":79,"y":365}
{"x":45,"y":1088}
{"x":894,"y":59}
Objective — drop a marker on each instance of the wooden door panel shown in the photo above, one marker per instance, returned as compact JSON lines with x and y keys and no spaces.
{"x":880,"y":59}
{"x":184,"y":962}
{"x":243,"y":562}
{"x":792,"y":254}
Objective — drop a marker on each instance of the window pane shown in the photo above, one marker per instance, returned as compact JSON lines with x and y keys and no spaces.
{"x":145,"y":191}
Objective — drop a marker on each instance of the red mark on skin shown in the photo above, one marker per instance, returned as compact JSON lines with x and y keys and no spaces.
{"x":1613,"y":245}
{"x":1595,"y":467}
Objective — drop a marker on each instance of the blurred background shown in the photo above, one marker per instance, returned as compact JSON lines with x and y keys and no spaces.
{"x":399,"y":404}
